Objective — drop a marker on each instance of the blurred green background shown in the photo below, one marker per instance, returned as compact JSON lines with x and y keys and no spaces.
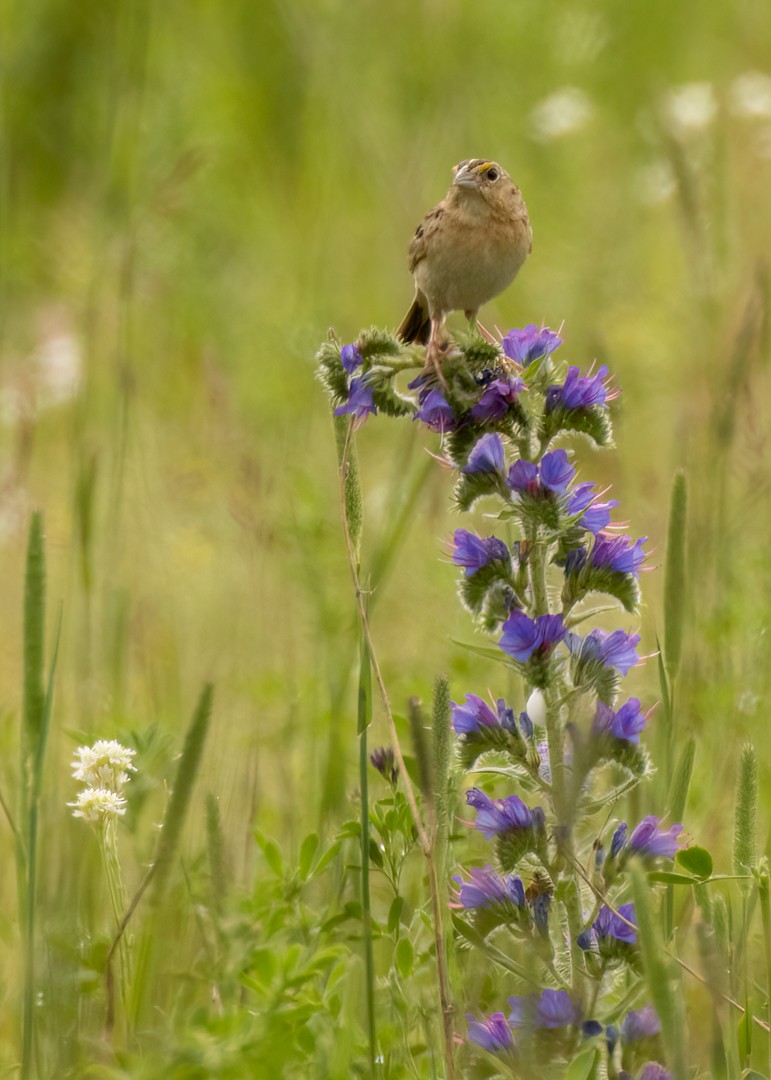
{"x":192,"y":193}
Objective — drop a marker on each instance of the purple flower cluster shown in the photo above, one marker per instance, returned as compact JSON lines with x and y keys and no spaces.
{"x":640,"y":1024}
{"x":523,"y":637}
{"x":497,"y":399}
{"x":360,"y":403}
{"x":486,"y":456}
{"x":529,"y":344}
{"x":625,"y":723}
{"x":595,"y":516}
{"x":550,"y":1009}
{"x":553,"y":475}
{"x":485,"y":888}
{"x":435,"y":411}
{"x":610,"y":927}
{"x":614,"y":649}
{"x":578,"y":391}
{"x":491,"y":1033}
{"x":473,"y":552}
{"x":475,"y":714}
{"x":496,"y":816}
{"x":618,"y":553}
{"x":647,"y":839}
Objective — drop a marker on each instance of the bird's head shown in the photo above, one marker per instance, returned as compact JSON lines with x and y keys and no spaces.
{"x":481,"y":177}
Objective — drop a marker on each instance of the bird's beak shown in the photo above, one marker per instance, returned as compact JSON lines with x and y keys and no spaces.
{"x":466,"y":177}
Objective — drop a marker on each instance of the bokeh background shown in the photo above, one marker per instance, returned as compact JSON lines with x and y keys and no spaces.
{"x":191,"y":194}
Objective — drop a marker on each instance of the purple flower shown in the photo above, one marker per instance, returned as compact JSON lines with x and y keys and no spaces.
{"x":492,"y":1033}
{"x":578,"y":391}
{"x":617,"y":841}
{"x":487,"y":888}
{"x":497,"y":399}
{"x":640,"y":1024}
{"x":553,"y":474}
{"x":523,"y":636}
{"x":609,"y":924}
{"x":556,"y":471}
{"x":594,"y":516}
{"x":618,"y":553}
{"x":523,"y":477}
{"x":360,"y":402}
{"x":625,"y":723}
{"x":654,"y":1071}
{"x":617,"y":649}
{"x":435,"y":412}
{"x":486,"y":456}
{"x":384,"y":761}
{"x":496,"y":816}
{"x":476,"y":713}
{"x":540,"y":905}
{"x":551,"y":1009}
{"x":649,"y":839}
{"x":351,"y":358}
{"x":473,"y":552}
{"x":530,"y":343}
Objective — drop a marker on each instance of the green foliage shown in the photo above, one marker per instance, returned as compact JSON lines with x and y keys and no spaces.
{"x":746,"y":814}
{"x":675,"y":595}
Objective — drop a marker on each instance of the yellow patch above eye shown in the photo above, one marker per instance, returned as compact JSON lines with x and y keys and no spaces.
{"x":484,"y":165}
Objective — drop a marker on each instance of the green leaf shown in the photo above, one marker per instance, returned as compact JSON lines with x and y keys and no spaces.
{"x":271,"y":851}
{"x":667,"y":877}
{"x":697,"y":861}
{"x":326,"y":858}
{"x":405,"y":957}
{"x":585,"y":1066}
{"x":395,"y":913}
{"x":307,"y":852}
{"x":744,"y":1036}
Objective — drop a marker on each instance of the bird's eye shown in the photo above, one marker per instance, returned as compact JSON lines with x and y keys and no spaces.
{"x":492,"y":174}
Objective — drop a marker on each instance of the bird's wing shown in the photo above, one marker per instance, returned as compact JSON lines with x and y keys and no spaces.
{"x":422,"y":238}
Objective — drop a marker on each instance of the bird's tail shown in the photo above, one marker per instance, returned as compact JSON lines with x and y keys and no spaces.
{"x":416,"y":324}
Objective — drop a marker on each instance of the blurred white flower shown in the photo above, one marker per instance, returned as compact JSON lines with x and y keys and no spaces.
{"x":562,"y":113}
{"x":105,"y":765}
{"x":59,"y":365}
{"x":98,"y":804}
{"x":750,"y":95}
{"x":689,"y":108}
{"x":536,"y":707}
{"x":655,"y":183}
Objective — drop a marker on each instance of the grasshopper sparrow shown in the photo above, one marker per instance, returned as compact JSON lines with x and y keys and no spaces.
{"x":464,"y":252}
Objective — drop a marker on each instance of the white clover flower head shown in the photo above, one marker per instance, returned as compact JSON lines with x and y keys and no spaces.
{"x":106,"y":764}
{"x":564,"y":112}
{"x":97,"y":804}
{"x":750,"y":95}
{"x":690,"y":108}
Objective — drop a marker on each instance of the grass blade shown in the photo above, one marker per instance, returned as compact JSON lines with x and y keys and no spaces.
{"x":187,"y":770}
{"x":675,"y":576}
{"x":659,"y":974}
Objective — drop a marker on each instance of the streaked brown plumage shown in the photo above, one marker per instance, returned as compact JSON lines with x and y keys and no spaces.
{"x":465,"y":251}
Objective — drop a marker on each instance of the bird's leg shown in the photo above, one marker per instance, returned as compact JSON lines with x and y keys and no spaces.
{"x":436,"y":348}
{"x":475,"y":327}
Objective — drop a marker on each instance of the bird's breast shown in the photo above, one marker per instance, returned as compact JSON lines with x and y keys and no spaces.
{"x":469,"y":264}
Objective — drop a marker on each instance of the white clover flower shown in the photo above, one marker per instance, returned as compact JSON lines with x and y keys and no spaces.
{"x":106,"y":764}
{"x":750,"y":95}
{"x":656,"y":183}
{"x":690,"y":108}
{"x":97,"y":804}
{"x":562,"y":113}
